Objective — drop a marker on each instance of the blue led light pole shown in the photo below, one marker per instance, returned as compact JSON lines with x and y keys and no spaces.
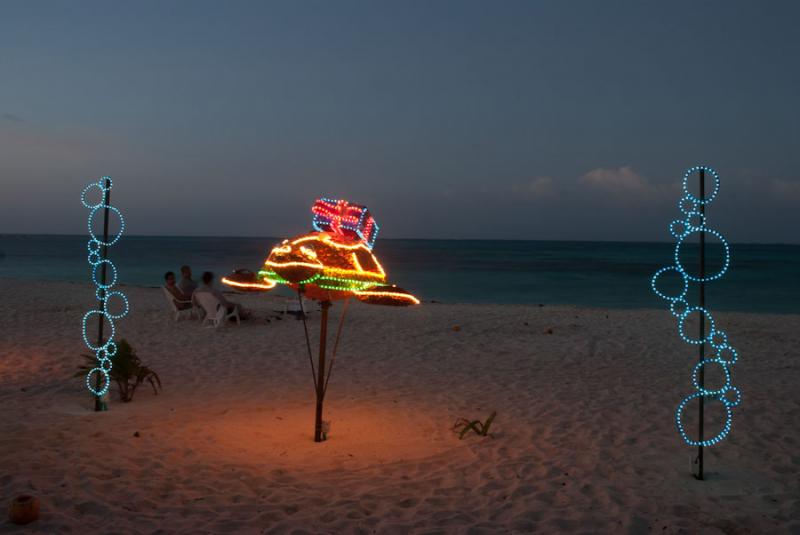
{"x":701,"y":381}
{"x":693,"y":208}
{"x":98,"y":258}
{"x":99,"y":403}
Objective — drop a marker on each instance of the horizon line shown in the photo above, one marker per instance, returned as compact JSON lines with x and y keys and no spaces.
{"x":196,"y":236}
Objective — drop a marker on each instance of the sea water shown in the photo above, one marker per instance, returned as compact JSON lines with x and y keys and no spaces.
{"x":761,"y":278}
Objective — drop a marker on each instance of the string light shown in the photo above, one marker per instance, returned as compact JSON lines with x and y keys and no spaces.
{"x":678,"y":228}
{"x":725,"y":369}
{"x":726,"y":428}
{"x":687,"y":194}
{"x":666,"y":270}
{"x":729,"y":352}
{"x":725,"y":263}
{"x":392,"y":296}
{"x":682,"y":323}
{"x":693,"y":222}
{"x":675,"y":312}
{"x":268,"y":285}
{"x":105,"y":352}
{"x":686,"y":205}
{"x":718,"y":339}
{"x":333,"y":262}
{"x":342,"y":218}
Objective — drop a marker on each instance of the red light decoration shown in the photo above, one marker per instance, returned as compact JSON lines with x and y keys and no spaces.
{"x":349,"y":221}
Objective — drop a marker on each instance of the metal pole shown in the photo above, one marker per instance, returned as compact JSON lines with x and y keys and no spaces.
{"x":99,"y":404}
{"x":702,"y":297}
{"x":323,"y":335}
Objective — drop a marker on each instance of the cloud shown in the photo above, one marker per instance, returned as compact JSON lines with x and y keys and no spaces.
{"x":785,"y":189}
{"x":27,"y":148}
{"x":623,"y":183}
{"x":12,"y":118}
{"x":542,"y":186}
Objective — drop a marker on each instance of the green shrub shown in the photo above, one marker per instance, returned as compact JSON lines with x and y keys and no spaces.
{"x":126,"y":370}
{"x":480,"y":428}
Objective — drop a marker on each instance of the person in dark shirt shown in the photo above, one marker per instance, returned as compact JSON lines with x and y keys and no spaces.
{"x":182,"y":301}
{"x":186,"y":284}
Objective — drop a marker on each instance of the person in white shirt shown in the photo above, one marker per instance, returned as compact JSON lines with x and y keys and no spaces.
{"x":208,"y":287}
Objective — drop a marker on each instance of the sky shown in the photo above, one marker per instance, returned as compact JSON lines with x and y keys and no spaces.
{"x":492,"y":120}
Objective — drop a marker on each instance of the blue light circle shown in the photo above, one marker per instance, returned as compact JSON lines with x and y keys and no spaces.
{"x":663,"y":295}
{"x":725,"y":263}
{"x":682,"y":322}
{"x":726,"y":428}
{"x":705,"y":362}
{"x":691,"y":196}
{"x":731,"y":403}
{"x":684,"y":228}
{"x":727,"y":354}
{"x":117,"y":236}
{"x":673,"y":309}
{"x":87,"y":189}
{"x":91,"y":387}
{"x":95,"y":269}
{"x":686,"y":205}
{"x":109,"y":295}
{"x":701,"y":223}
{"x":719,"y":340}
{"x":86,"y":338}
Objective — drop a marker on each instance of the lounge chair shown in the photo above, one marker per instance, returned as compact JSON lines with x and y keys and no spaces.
{"x":292,"y":307}
{"x":175,"y":303}
{"x":216,"y":314}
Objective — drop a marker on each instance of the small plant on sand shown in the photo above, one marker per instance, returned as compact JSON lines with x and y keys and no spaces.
{"x":126,"y":370}
{"x":480,"y":428}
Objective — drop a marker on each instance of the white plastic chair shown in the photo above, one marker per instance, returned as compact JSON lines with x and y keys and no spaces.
{"x":292,"y":305}
{"x":216,"y":314}
{"x":174,"y":302}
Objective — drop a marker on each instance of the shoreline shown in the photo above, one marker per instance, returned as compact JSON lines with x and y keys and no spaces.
{"x":477,"y":240}
{"x":429,"y":302}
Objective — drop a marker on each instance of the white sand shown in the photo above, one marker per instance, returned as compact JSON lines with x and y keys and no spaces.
{"x":584,"y":440}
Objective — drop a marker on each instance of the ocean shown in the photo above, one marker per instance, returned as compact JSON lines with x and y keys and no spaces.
{"x":761,"y":278}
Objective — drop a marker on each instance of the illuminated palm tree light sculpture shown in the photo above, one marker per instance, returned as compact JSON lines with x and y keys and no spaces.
{"x":334,"y":262}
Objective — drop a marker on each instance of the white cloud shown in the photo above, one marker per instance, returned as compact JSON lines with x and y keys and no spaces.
{"x":623,"y":183}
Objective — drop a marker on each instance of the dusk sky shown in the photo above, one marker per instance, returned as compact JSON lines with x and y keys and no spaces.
{"x":524,"y":120}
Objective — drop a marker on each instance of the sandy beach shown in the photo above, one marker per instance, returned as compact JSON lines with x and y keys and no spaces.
{"x":584,"y":439}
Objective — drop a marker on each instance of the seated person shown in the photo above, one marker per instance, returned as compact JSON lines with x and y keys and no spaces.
{"x":208,"y":287}
{"x":186,"y":284}
{"x":182,"y":301}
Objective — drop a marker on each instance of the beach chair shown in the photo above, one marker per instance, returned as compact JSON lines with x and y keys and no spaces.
{"x":216,"y":314}
{"x":292,"y":307}
{"x":173,"y":305}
